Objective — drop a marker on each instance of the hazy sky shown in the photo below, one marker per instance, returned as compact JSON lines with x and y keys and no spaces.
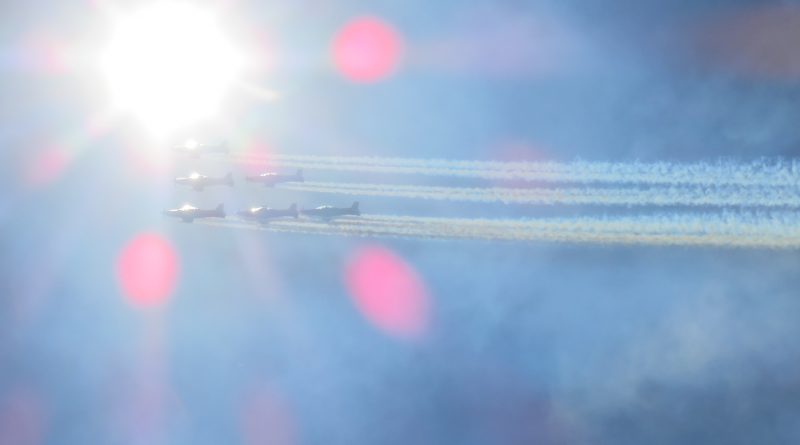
{"x":275,"y":338}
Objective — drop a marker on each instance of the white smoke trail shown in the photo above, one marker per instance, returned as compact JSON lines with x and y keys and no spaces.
{"x":760,"y":173}
{"x":730,"y":229}
{"x":660,"y":196}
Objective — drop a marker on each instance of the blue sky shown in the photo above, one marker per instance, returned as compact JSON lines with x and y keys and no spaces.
{"x":262,"y":340}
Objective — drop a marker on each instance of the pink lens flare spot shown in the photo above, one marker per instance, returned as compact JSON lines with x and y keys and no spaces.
{"x":148,"y":160}
{"x":147,"y":270}
{"x":388,"y":292}
{"x":518,"y":151}
{"x":44,"y":54}
{"x":257,"y":159}
{"x":46,"y":166}
{"x":265,"y":51}
{"x":367,"y":50}
{"x":22,"y":418}
{"x":756,"y":42}
{"x":266,"y":418}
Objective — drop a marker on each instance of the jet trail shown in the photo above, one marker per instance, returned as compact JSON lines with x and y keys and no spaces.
{"x":756,"y":184}
{"x":760,"y":173}
{"x":728,"y":229}
{"x":659,"y":196}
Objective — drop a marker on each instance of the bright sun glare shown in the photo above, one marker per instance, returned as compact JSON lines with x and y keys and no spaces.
{"x":169,"y":64}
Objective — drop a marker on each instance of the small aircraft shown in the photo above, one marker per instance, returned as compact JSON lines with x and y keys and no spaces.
{"x":264,"y":214}
{"x":196,"y":149}
{"x":188,"y":213}
{"x":270,"y":179}
{"x":329,"y":212}
{"x":198,"y":181}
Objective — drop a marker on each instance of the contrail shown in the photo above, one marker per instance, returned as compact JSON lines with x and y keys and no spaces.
{"x":626,"y":196}
{"x":759,"y":173}
{"x":728,"y":229}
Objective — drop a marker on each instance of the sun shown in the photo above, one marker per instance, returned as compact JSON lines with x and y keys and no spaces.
{"x":169,"y":64}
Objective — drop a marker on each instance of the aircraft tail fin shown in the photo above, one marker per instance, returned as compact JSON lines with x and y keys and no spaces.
{"x":354,"y":208}
{"x":229,"y":179}
{"x":221,"y":210}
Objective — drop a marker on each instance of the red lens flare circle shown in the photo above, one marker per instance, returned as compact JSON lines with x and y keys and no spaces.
{"x":367,"y":50}
{"x":46,"y":166}
{"x":388,"y":292}
{"x":147,"y":270}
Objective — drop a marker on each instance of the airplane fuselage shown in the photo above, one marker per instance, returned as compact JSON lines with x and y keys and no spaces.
{"x":190,"y":214}
{"x":272,"y":179}
{"x":329,"y":212}
{"x":263,"y":214}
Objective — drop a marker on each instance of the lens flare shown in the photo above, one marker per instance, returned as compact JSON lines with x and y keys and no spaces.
{"x":757,"y":42}
{"x":388,"y":292}
{"x":266,"y":418}
{"x":46,"y":166}
{"x":170,"y":65}
{"x":22,"y":417}
{"x":44,"y":54}
{"x":257,"y":158}
{"x":367,"y":50}
{"x":147,"y":269}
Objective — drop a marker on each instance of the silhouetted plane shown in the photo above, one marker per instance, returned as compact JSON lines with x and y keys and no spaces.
{"x":329,"y":212}
{"x":189,"y":213}
{"x":264,"y":214}
{"x":270,"y":179}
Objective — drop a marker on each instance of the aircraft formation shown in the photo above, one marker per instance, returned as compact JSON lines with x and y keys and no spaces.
{"x":260,"y":214}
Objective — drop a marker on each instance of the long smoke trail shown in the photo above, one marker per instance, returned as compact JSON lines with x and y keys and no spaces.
{"x":659,"y":196}
{"x":756,"y":230}
{"x":761,"y":173}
